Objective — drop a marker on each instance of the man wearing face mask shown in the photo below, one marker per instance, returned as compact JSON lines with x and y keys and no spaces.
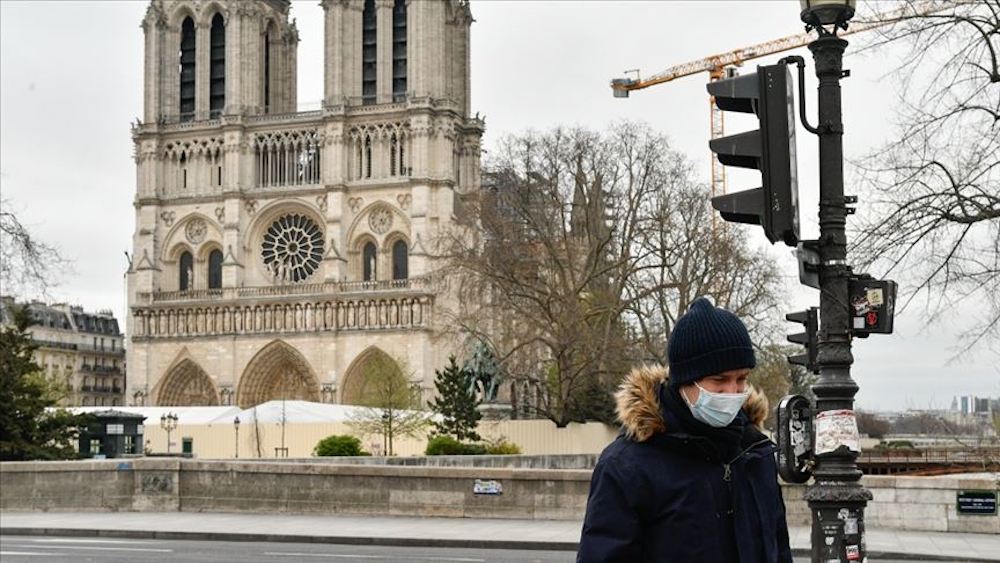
{"x":690,"y":478}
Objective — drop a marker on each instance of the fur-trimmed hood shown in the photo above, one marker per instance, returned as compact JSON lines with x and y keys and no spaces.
{"x":638,"y":405}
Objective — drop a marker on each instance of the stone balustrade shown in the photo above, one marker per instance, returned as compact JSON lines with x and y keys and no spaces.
{"x":422,"y":283}
{"x":289,"y":315}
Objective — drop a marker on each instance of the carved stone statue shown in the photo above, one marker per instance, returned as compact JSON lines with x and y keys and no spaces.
{"x":485,"y":375}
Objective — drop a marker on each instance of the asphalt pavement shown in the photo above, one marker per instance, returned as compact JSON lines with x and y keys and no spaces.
{"x":527,"y":539}
{"x":31,"y":549}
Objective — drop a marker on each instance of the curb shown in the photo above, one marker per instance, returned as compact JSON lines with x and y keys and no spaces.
{"x":397,"y":542}
{"x":292,"y":538}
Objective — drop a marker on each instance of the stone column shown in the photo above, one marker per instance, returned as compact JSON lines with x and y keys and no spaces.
{"x":234,"y":54}
{"x":333,"y":52}
{"x":383,"y":46}
{"x":291,"y":70}
{"x":202,"y":63}
{"x":170,"y":82}
{"x":353,"y":51}
{"x":153,"y":28}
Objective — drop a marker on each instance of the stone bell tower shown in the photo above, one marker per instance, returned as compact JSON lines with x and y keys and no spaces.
{"x":279,"y":253}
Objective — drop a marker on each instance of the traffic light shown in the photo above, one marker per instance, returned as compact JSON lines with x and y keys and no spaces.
{"x":873,"y":305}
{"x":810,"y":319}
{"x":770,"y":149}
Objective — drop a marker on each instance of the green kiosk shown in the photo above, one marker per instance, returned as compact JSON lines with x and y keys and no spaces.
{"x":113,"y":434}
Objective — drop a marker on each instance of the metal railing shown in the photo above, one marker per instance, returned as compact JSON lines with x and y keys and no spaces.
{"x":100,"y":369}
{"x":99,"y":350}
{"x":54,"y":344}
{"x":936,"y":456}
{"x":101,"y":389}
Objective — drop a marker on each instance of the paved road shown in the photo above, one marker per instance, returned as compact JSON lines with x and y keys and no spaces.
{"x":25,"y":549}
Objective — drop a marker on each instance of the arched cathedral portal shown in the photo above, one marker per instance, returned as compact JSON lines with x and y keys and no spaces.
{"x":186,"y":384}
{"x":278,"y":371}
{"x":373,"y":377}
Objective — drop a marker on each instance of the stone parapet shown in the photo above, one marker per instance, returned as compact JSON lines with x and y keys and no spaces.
{"x":146,"y":484}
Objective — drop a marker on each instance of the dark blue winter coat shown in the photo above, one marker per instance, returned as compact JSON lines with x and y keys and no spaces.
{"x":670,"y":489}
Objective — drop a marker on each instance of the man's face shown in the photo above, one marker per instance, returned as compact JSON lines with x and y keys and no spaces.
{"x":733,"y":381}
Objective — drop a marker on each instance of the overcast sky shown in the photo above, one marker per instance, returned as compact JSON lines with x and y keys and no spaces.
{"x":71,"y":76}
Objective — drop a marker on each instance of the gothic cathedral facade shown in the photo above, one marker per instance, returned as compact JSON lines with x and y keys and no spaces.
{"x":276,"y":252}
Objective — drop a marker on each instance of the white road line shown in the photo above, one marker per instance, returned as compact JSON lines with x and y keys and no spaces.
{"x":30,"y":553}
{"x":392,"y":558}
{"x":96,"y":548}
{"x":86,"y":540}
{"x":330,"y":555}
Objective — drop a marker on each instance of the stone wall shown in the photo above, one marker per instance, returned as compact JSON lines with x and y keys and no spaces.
{"x":248,"y":486}
{"x":146,"y":484}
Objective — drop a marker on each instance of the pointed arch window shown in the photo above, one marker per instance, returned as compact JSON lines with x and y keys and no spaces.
{"x":368,"y":257}
{"x":399,"y":51}
{"x":360,"y":160}
{"x":369,"y":33}
{"x":268,"y":47}
{"x":217,"y":67}
{"x":400,"y":261}
{"x":187,"y":70}
{"x":215,"y":269}
{"x":186,"y":273}
{"x":368,"y":157}
{"x":393,"y":147}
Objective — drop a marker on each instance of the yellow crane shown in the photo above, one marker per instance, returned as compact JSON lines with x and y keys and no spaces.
{"x":718,"y":66}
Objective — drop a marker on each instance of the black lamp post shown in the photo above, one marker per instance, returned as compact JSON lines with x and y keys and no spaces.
{"x":168,"y":422}
{"x":836,"y":497}
{"x":236,"y":427}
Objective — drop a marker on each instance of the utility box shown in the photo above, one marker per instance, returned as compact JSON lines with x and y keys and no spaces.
{"x":112,"y":434}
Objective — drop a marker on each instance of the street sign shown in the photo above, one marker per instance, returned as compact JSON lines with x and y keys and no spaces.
{"x":979,"y":503}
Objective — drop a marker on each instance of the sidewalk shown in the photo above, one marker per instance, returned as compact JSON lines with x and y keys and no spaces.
{"x":430,"y":532}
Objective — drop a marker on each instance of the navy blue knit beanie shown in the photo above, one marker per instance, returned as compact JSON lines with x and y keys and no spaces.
{"x":706,"y":341}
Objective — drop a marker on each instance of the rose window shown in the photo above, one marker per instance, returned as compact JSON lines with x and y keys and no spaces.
{"x":292,"y":248}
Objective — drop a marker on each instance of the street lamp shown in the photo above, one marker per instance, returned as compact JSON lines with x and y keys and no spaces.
{"x":168,"y":422}
{"x":816,"y":13}
{"x":236,"y":427}
{"x":836,"y":497}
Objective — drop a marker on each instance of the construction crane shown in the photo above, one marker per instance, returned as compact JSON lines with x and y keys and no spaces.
{"x":722,"y":66}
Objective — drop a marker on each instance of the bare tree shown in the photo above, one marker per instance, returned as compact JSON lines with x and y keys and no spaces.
{"x":692,"y":256}
{"x":932,"y":212}
{"x":392,"y":404}
{"x":571,"y":259}
{"x":27,"y":264}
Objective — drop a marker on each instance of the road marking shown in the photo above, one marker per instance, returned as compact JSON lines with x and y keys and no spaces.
{"x":84,"y":540}
{"x":96,"y":548}
{"x":393,"y":558}
{"x":29,"y":553}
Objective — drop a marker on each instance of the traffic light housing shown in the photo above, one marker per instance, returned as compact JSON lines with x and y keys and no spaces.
{"x":810,"y":319}
{"x":873,"y":305}
{"x":770,"y":149}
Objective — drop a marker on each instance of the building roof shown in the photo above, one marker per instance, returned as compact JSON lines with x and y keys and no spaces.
{"x":62,"y":317}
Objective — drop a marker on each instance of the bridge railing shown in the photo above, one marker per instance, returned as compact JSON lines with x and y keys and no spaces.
{"x":988,"y":454}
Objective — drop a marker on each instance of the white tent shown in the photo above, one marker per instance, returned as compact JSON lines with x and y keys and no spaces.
{"x":185,"y":415}
{"x":272,"y":411}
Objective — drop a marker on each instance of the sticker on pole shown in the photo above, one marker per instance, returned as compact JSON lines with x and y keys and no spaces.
{"x":835,"y":429}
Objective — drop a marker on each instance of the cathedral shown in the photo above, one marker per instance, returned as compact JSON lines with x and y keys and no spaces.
{"x":278,"y":252}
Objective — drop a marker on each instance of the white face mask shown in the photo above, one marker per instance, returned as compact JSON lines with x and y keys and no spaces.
{"x":716,"y":409}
